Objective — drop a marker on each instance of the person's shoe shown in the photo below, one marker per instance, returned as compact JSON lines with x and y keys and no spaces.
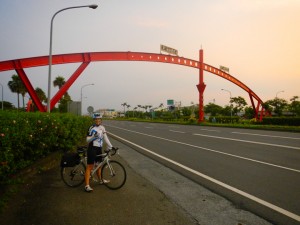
{"x":102,"y":181}
{"x":88,"y":188}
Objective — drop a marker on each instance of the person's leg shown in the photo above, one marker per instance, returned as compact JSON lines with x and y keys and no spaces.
{"x":87,"y":178}
{"x":88,"y":174}
{"x":91,"y":157}
{"x":99,"y":160}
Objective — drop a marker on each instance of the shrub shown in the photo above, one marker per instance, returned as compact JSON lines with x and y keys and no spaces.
{"x":224,"y":119}
{"x":284,"y":121}
{"x":26,"y":137}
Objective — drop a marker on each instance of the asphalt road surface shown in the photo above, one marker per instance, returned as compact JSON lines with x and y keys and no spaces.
{"x":257,"y":170}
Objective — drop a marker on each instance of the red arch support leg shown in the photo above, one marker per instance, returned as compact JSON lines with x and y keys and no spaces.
{"x":28,"y":86}
{"x":201,"y":87}
{"x":67,"y":85}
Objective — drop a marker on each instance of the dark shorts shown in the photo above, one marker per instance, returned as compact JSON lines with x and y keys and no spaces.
{"x":91,"y":154}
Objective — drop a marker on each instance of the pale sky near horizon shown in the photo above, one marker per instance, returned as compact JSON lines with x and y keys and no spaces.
{"x":259,"y":40}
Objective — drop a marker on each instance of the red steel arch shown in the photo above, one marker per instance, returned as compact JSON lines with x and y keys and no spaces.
{"x":85,"y":58}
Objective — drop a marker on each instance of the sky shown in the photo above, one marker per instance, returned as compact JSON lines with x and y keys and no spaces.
{"x":258,"y":40}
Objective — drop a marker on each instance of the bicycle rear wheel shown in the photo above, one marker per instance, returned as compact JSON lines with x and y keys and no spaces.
{"x":115,"y":173}
{"x":73,"y":176}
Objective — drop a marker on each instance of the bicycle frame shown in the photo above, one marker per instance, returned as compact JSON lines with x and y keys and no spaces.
{"x":112,"y":171}
{"x":99,"y":165}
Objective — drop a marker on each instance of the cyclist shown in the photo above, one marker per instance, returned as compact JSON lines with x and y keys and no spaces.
{"x":95,"y":137}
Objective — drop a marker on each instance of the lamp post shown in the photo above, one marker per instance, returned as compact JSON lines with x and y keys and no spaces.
{"x":229,"y":102}
{"x":278,"y":93}
{"x":81,"y":94}
{"x":2,"y":95}
{"x":94,"y":6}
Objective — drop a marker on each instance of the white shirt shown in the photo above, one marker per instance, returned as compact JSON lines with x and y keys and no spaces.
{"x":98,"y":141}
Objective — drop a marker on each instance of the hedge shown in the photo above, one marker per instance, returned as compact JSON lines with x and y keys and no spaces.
{"x":284,"y":121}
{"x":224,"y":119}
{"x":26,"y":137}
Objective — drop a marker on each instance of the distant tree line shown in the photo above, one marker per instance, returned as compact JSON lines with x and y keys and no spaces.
{"x":237,"y":107}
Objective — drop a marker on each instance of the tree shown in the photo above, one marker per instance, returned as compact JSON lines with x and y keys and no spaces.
{"x":59,"y":82}
{"x":147,"y":107}
{"x":249,"y":112}
{"x":16,"y":86}
{"x":226,"y":111}
{"x":63,"y":102}
{"x":128,"y":106}
{"x":276,"y":105}
{"x":239,"y":104}
{"x":124,"y":105}
{"x":294,"y":106}
{"x":23,"y":91}
{"x":8,"y":105}
{"x":41,"y":94}
{"x":213,"y":109}
{"x":186,"y":111}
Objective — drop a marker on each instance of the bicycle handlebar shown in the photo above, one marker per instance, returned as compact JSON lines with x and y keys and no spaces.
{"x":112,"y":151}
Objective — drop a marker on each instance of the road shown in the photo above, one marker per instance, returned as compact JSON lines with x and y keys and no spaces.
{"x":257,"y":170}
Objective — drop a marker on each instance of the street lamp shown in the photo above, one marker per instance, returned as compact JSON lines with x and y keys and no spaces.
{"x":229,"y":101}
{"x":278,"y":93}
{"x":2,"y":95}
{"x":94,"y":6}
{"x":81,"y":94}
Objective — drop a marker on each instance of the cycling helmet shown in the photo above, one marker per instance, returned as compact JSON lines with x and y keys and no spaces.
{"x":97,"y":116}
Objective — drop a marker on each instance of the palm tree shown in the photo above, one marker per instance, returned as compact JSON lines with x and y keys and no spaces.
{"x":63,"y":102}
{"x":41,"y":94}
{"x":16,"y":86}
{"x":146,"y":107}
{"x":124,"y":104}
{"x":59,"y":82}
{"x":128,"y":106}
{"x":134,"y":109}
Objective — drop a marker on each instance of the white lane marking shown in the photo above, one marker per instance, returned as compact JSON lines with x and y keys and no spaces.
{"x":220,"y":183}
{"x":253,"y":142}
{"x":211,"y":150}
{"x":149,"y":127}
{"x":176,"y":131}
{"x":264,"y":135}
{"x":211,"y":130}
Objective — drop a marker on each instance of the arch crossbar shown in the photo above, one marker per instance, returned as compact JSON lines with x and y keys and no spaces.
{"x":85,"y":58}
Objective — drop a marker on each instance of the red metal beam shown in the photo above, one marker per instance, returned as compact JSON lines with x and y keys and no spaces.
{"x":120,"y":56}
{"x":201,"y":87}
{"x":68,"y":84}
{"x":28,"y":86}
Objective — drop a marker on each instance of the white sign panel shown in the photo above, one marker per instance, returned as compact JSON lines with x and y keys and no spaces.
{"x":168,"y":50}
{"x":226,"y":69}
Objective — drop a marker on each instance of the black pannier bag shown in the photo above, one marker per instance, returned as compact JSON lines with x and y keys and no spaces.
{"x":70,"y":159}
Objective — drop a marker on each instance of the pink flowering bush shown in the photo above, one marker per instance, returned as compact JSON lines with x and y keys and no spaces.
{"x":26,"y":137}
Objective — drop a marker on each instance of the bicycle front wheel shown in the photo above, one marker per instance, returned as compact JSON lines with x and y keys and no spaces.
{"x":73,"y":176}
{"x":114,"y":173}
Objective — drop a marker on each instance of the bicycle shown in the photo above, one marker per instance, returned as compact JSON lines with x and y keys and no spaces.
{"x":111,"y":170}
